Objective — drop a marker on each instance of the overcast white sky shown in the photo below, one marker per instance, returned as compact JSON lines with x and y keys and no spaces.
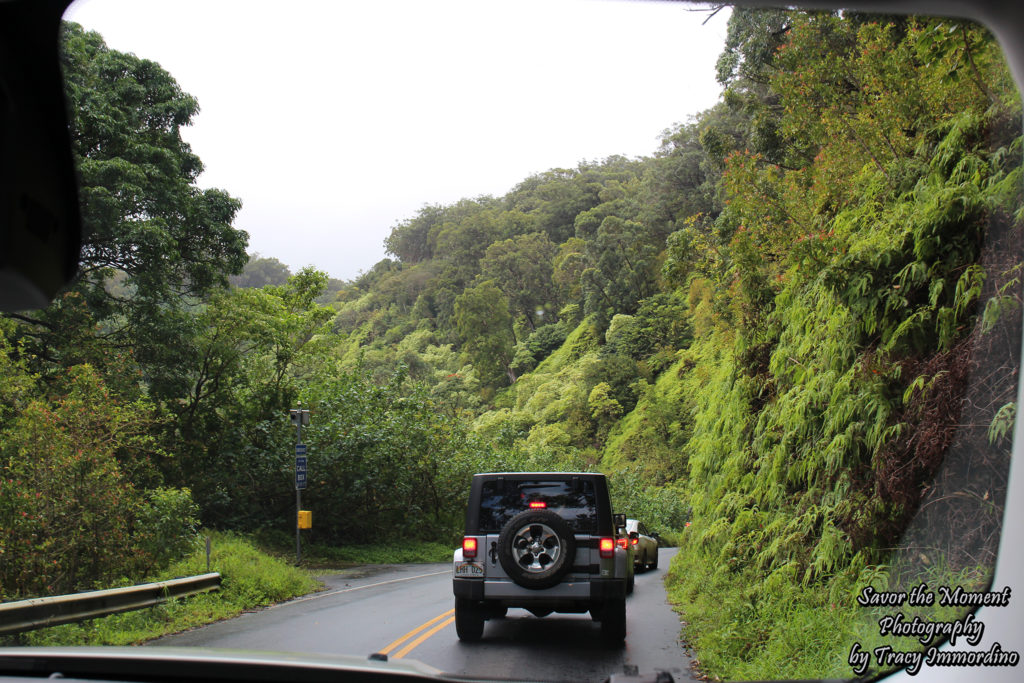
{"x":333,"y":121}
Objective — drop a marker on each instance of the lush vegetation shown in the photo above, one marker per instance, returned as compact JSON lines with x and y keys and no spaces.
{"x":251,"y":579}
{"x":795,"y":325}
{"x":326,"y":556}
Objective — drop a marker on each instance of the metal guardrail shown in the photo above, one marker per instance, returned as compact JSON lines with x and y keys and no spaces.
{"x":27,"y":615}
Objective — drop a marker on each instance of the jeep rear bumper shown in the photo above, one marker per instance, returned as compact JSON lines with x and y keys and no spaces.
{"x":512,"y":593}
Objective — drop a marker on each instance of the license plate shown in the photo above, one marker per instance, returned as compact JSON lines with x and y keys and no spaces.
{"x":469,"y":569}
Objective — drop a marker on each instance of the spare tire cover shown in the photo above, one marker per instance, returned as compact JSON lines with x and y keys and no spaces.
{"x":536,"y":548}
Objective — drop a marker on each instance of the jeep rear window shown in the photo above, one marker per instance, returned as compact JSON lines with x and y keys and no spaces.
{"x":575,"y":502}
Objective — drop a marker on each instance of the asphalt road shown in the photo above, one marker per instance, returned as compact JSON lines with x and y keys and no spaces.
{"x":406,"y":611}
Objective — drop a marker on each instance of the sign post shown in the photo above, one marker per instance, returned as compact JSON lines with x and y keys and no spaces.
{"x":299,"y":417}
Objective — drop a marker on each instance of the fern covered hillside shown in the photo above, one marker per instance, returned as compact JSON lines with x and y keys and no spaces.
{"x":795,"y":325}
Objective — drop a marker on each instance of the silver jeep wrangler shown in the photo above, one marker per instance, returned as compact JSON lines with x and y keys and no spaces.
{"x":543,"y":541}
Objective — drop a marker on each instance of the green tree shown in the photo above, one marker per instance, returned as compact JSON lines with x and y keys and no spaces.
{"x":409,"y":241}
{"x":604,"y":409}
{"x":384,"y":461}
{"x":143,"y":214}
{"x":679,"y":181}
{"x":260,"y":271}
{"x":234,"y":383}
{"x":465,"y":241}
{"x":745,"y":69}
{"x":567,"y":268}
{"x":485,"y":327}
{"x":624,"y":267}
{"x":167,"y":242}
{"x":521,"y":267}
{"x":73,"y":505}
{"x":556,"y":197}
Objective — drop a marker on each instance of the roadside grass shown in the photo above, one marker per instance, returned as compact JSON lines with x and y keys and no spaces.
{"x":250,"y":579}
{"x":741,"y":625}
{"x":257,"y":570}
{"x":737,"y":634}
{"x":322,"y":556}
{"x":404,"y":553}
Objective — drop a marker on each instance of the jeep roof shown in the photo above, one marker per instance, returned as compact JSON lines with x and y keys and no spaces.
{"x":497,"y":496}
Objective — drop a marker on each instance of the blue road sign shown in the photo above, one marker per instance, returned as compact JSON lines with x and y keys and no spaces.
{"x":300,"y":471}
{"x":300,"y":449}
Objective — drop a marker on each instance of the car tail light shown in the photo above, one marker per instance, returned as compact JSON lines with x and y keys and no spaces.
{"x":607,"y":548}
{"x":468,"y":547}
{"x":622,"y":543}
{"x":538,"y":504}
{"x":636,"y":541}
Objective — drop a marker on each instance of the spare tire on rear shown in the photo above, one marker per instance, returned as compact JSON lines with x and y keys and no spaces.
{"x":536,"y":548}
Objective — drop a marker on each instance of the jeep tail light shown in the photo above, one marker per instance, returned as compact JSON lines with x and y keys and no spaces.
{"x":622,"y":543}
{"x":469,"y":547}
{"x":607,"y":548}
{"x":538,"y":504}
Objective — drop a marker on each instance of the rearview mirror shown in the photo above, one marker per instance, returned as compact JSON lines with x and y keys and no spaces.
{"x":40,"y":226}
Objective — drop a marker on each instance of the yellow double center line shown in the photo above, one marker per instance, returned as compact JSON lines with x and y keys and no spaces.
{"x":445,"y":619}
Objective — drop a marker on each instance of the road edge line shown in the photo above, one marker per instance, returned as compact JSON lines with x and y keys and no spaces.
{"x":356,"y":588}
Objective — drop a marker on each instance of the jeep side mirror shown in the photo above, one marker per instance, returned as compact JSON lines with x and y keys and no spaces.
{"x":619,"y":520}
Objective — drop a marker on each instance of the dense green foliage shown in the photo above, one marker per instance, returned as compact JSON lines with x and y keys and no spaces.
{"x":329,"y":556}
{"x":795,"y":327}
